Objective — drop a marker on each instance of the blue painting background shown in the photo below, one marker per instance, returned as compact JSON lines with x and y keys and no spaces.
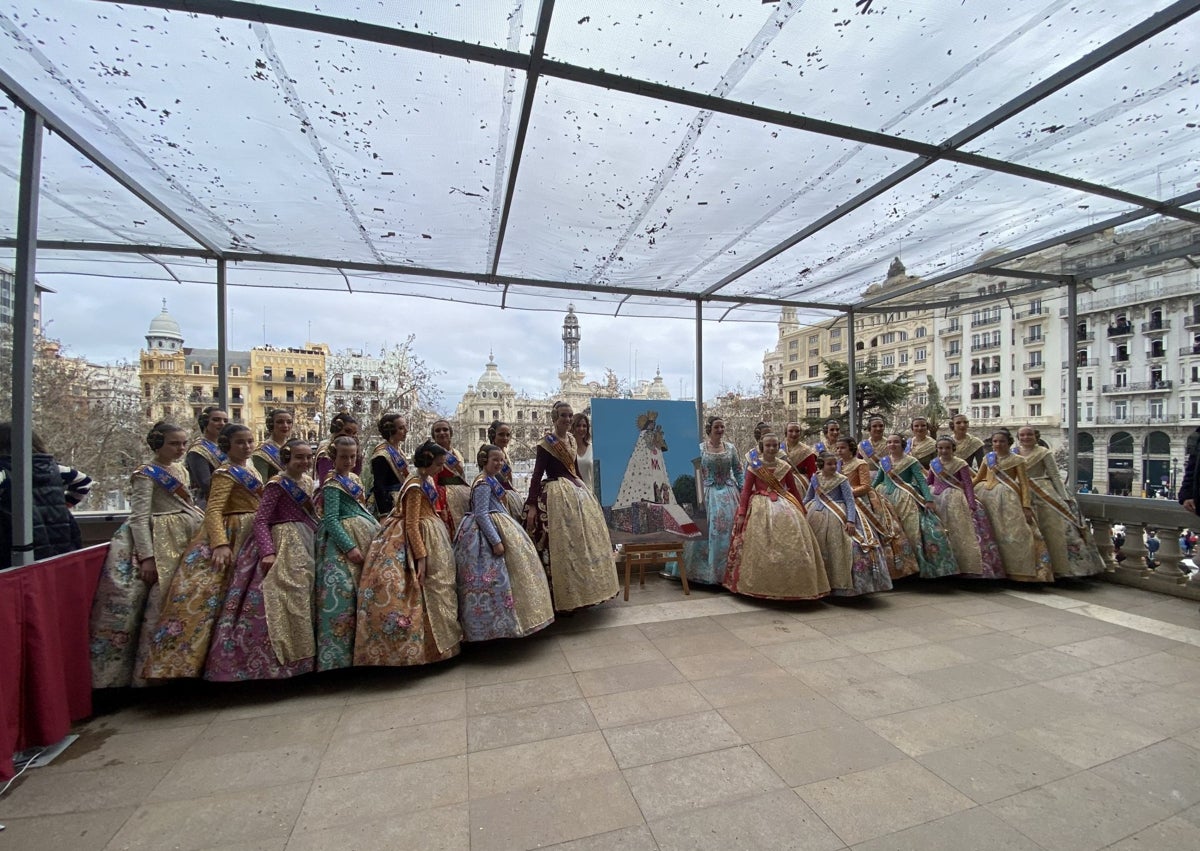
{"x":615,"y":431}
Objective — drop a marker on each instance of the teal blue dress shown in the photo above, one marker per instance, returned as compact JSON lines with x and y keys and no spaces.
{"x":345,"y":524}
{"x":721,"y":476}
{"x":905,"y":487}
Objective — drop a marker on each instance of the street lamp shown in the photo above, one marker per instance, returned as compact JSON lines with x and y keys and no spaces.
{"x":1174,"y":473}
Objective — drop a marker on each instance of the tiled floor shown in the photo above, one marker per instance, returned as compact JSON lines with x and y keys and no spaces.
{"x":936,"y":717}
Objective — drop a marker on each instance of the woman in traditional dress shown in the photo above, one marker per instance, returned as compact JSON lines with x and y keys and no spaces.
{"x":581,"y":429}
{"x":502,"y":590}
{"x":760,"y":429}
{"x":963,"y":517}
{"x":877,"y":513}
{"x":192,"y":602}
{"x":1002,"y":485}
{"x":452,"y":480}
{"x":342,"y":542}
{"x":799,"y":454}
{"x":901,"y":481}
{"x":266,"y":459}
{"x":1072,"y":550}
{"x":142,"y":559}
{"x":407,"y":603}
{"x":967,"y":446}
{"x":830,"y":432}
{"x":389,"y":467}
{"x":500,"y":435}
{"x":203,"y":454}
{"x":922,"y":446}
{"x":721,"y":479}
{"x":343,"y":424}
{"x":853,"y":556}
{"x":567,"y":524}
{"x":265,"y":631}
{"x":774,"y":553}
{"x":874,"y":447}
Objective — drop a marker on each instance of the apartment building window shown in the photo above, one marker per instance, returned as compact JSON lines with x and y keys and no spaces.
{"x":1035,"y":410}
{"x":903,"y":358}
{"x":1035,"y":306}
{"x":237,"y":415}
{"x":1195,"y":408}
{"x":812,"y":413}
{"x":310,"y":376}
{"x":921,"y":331}
{"x":889,"y":360}
{"x":1090,"y":411}
{"x":195,"y":369}
{"x":903,"y":336}
{"x":1035,"y":332}
{"x":920,"y":355}
{"x":337,"y":383}
{"x":356,"y":383}
{"x":793,"y":357}
{"x":814,"y":371}
{"x":955,"y":347}
{"x":481,"y":416}
{"x":235,"y":371}
{"x":268,"y":394}
{"x":1157,"y":408}
{"x":291,"y":396}
{"x":974,"y":341}
{"x":1120,"y":410}
{"x":814,"y":339}
{"x":794,"y":345}
{"x":814,"y":353}
{"x":289,"y":374}
{"x":835,"y":347}
{"x":1121,"y":379}
{"x":835,"y":333}
{"x":793,"y":397}
{"x":1035,"y":358}
{"x":953,"y":369}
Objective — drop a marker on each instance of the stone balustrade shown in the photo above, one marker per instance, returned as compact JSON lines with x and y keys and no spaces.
{"x":1166,"y":517}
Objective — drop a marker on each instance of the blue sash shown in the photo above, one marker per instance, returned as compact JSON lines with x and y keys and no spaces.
{"x":163,"y":478}
{"x":936,"y":465}
{"x":272,"y":453}
{"x":398,"y":461}
{"x":430,"y":490}
{"x":497,"y":488}
{"x":344,"y":483}
{"x":212,"y":449}
{"x":244,"y":477}
{"x":292,"y":488}
{"x":867,"y":448}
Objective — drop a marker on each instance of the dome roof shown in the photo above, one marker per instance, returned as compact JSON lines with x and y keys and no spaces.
{"x":491,"y":378}
{"x":164,"y":325}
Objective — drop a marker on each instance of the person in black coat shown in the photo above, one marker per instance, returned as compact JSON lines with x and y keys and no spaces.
{"x":1189,"y":488}
{"x":54,"y":528}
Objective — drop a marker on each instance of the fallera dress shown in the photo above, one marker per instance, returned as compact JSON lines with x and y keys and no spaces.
{"x":162,"y":523}
{"x":203,"y":457}
{"x":775,"y":553}
{"x":880,"y":515}
{"x":389,"y":471}
{"x":1072,"y":550}
{"x":803,"y":459}
{"x":1003,"y":487}
{"x":266,"y":460}
{"x":854,"y":563}
{"x":192,"y":602}
{"x":721,"y":480}
{"x":513,"y":501}
{"x":570,"y":533}
{"x":964,"y":519}
{"x":345,"y":524}
{"x":969,"y":449}
{"x":456,"y":493}
{"x":924,"y":450}
{"x":400,"y":620}
{"x":265,"y":630}
{"x":903,"y":484}
{"x":499,"y":596}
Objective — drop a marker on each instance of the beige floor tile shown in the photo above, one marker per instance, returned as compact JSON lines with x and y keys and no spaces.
{"x":1106,"y":650}
{"x":342,"y":800}
{"x":398,"y":746}
{"x":537,"y":816}
{"x":994,"y":645}
{"x":1174,"y":834}
{"x":1025,"y":706}
{"x":1078,"y":813}
{"x":1043,"y":665}
{"x":650,"y":704}
{"x":680,"y":627}
{"x":1014,"y":619}
{"x":277,"y":844}
{"x":1162,"y":669}
{"x":538,"y":763}
{"x":1062,"y":632}
{"x":306,"y":699}
{"x":948,"y":629}
{"x":42,"y":792}
{"x":1192,"y":815}
{"x":884,"y":697}
{"x":88,"y":831}
{"x":1166,"y":773}
{"x":878,"y":640}
{"x":265,"y":732}
{"x":848,"y":623}
{"x":776,"y":820}
{"x":794,"y":654}
{"x":966,"y":605}
{"x":670,"y":738}
{"x":873,"y":803}
{"x":757,"y":617}
{"x":694,"y":644}
{"x":770,"y":719}
{"x":637,"y":838}
{"x":1090,"y":738}
{"x":530,"y":724}
{"x":924,"y":657}
{"x":1100,"y":686}
{"x":833,"y":674}
{"x":501,"y":697}
{"x":960,"y":681}
{"x":1167,"y":713}
{"x":251,"y":815}
{"x":156,"y":715}
{"x":768,"y":684}
{"x":828,"y":752}
{"x":998,"y":767}
{"x":691,"y":782}
{"x":373,"y":684}
{"x":608,"y":655}
{"x":523,"y":660}
{"x":440,"y":829}
{"x":778,"y":631}
{"x":98,"y":748}
{"x":725,"y":663}
{"x":932,"y":728}
{"x":599,"y":637}
{"x":640,"y":675}
{"x":204,"y":776}
{"x":975,"y":829}
{"x":403,"y":711}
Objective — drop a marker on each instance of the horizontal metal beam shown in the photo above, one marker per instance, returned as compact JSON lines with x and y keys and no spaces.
{"x":59,"y":125}
{"x":115,"y":248}
{"x":1027,"y":274}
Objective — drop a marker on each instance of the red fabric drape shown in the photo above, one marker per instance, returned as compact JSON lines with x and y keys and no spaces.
{"x":45,"y":671}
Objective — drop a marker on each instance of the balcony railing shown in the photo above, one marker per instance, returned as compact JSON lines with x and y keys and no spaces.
{"x":980,"y":397}
{"x":987,"y":320}
{"x":1138,"y":387}
{"x":952,"y":376}
{"x":1032,"y":313}
{"x":1032,"y":365}
{"x":951,"y":398}
{"x":1089,"y":337}
{"x":1156,"y":354}
{"x":1137,"y":419}
{"x":1192,"y":321}
{"x":985,"y":370}
{"x":1123,"y":330}
{"x":952,"y":328}
{"x":1134,"y":568}
{"x":1121,"y":358}
{"x":1155,"y":326}
{"x":982,"y":346}
{"x":1082,"y":363}
{"x":1188,"y":351}
{"x":1033,"y":341}
{"x":1034,"y":391}
{"x":953,"y":352}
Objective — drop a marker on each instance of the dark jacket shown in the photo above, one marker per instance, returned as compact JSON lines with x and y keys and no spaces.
{"x":54,"y":528}
{"x":1189,"y":488}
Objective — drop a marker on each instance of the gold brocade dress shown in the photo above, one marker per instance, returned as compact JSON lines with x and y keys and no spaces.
{"x":774,"y":553}
{"x":1003,"y":488}
{"x":924,"y":451}
{"x":965,"y":520}
{"x":452,"y":481}
{"x":881,"y":516}
{"x":969,"y":449}
{"x":803,"y":459}
{"x":1068,"y":539}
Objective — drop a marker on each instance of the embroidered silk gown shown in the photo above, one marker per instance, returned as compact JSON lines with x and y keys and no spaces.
{"x":722,"y":478}
{"x":923,"y":450}
{"x":855,"y":563}
{"x":192,"y":603}
{"x":400,"y":620}
{"x":203,"y":457}
{"x":965,"y":520}
{"x":880,"y":515}
{"x":499,"y":596}
{"x":803,"y":459}
{"x":324,"y":462}
{"x":1003,"y":488}
{"x":775,"y":554}
{"x":570,"y":533}
{"x":904,"y":486}
{"x":969,"y":449}
{"x":513,"y":501}
{"x":265,"y":631}
{"x":452,"y":483}
{"x":345,"y":524}
{"x":389,"y":471}
{"x":162,"y":522}
{"x":871,"y":451}
{"x":266,"y":460}
{"x":1068,"y":539}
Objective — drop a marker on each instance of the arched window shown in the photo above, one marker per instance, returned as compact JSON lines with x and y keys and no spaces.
{"x":1087,"y":443}
{"x":1157,"y":443}
{"x":794,"y":375}
{"x":1121,"y":443}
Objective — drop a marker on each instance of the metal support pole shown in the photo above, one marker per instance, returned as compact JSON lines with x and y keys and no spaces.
{"x":700,"y":369}
{"x":1073,"y":389}
{"x":223,"y":338}
{"x":22,"y":355}
{"x":851,"y":369}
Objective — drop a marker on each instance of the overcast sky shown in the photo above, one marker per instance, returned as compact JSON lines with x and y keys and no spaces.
{"x":106,"y":321}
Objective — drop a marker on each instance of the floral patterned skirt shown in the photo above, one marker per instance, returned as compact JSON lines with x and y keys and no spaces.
{"x":1072,"y":552}
{"x":924,"y":531}
{"x":853,"y":568}
{"x":337,"y":593}
{"x":503,"y":596}
{"x":970,"y":535}
{"x":705,"y":560}
{"x":776,"y":554}
{"x":575,"y":545}
{"x":1022,"y":548}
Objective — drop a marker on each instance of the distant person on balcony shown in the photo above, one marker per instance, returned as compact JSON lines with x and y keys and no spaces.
{"x":54,"y":492}
{"x":203,"y":455}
